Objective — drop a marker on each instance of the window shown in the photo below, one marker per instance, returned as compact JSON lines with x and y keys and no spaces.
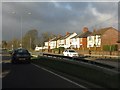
{"x":90,"y":38}
{"x":21,"y":51}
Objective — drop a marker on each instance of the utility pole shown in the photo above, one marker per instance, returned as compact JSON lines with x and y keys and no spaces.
{"x":30,"y":43}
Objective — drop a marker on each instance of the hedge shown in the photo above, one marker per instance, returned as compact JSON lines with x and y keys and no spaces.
{"x":110,"y":47}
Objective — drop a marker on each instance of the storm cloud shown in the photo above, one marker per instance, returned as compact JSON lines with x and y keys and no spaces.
{"x":56,"y":17}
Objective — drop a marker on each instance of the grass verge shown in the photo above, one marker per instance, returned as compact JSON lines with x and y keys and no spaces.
{"x":89,"y":74}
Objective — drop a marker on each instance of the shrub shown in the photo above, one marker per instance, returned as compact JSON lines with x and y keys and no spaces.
{"x":110,"y":47}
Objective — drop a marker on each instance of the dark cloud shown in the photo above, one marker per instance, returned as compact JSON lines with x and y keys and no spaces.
{"x":56,"y":17}
{"x":106,"y":7}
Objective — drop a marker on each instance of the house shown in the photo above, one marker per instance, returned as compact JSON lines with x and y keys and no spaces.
{"x":46,"y":44}
{"x":101,"y":37}
{"x":80,"y":40}
{"x":38,"y":48}
{"x":52,"y":43}
{"x":65,"y":41}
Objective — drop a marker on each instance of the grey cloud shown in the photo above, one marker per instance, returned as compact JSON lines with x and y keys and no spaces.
{"x":45,"y":16}
{"x":106,"y":7}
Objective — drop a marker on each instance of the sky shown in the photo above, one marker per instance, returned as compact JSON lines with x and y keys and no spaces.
{"x":56,"y":17}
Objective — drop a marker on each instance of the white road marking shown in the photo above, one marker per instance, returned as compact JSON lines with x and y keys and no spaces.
{"x":3,"y":74}
{"x":81,"y":86}
{"x":6,"y":61}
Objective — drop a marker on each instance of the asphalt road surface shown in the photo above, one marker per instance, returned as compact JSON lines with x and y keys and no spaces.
{"x":32,"y":76}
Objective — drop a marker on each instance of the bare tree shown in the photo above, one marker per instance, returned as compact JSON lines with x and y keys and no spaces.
{"x":4,"y":44}
{"x":30,"y":39}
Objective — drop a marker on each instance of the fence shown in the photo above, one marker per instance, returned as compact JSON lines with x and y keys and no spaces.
{"x":93,"y":52}
{"x":115,"y":53}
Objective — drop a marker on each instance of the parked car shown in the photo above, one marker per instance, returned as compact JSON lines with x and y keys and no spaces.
{"x":20,"y":55}
{"x":70,"y":52}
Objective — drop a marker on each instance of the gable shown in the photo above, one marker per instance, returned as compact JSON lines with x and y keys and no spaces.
{"x":101,"y":31}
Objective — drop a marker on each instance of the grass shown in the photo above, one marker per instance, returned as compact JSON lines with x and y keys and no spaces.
{"x":79,"y":71}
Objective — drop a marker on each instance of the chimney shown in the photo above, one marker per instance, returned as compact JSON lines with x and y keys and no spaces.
{"x":85,"y":29}
{"x":67,"y":33}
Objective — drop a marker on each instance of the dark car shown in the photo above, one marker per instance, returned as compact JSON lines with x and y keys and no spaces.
{"x":20,"y":55}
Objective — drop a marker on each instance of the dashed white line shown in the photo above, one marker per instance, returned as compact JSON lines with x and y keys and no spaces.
{"x":81,"y":86}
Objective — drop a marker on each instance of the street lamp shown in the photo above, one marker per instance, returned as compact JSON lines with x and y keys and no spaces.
{"x":30,"y":43}
{"x":21,"y":26}
{"x":12,"y":35}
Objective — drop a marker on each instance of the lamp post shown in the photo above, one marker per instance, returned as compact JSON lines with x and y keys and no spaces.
{"x":21,"y":45}
{"x":21,"y":26}
{"x":12,"y":46}
{"x":30,"y":43}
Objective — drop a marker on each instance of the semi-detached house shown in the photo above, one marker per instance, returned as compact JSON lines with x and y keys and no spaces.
{"x":65,"y":40}
{"x":101,"y":37}
{"x":80,"y":40}
{"x":86,"y":40}
{"x":60,"y":41}
{"x":52,"y":43}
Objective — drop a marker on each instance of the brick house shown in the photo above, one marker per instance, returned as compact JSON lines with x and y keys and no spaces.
{"x":80,"y":41}
{"x":101,"y":37}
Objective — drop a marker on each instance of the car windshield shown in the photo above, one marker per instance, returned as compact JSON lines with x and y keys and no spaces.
{"x":71,"y":51}
{"x":21,"y":51}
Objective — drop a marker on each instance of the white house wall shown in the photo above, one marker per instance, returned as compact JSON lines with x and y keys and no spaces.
{"x":57,"y":43}
{"x":46,"y":43}
{"x":78,"y":42}
{"x":98,"y":41}
{"x":52,"y":44}
{"x":68,"y":40}
{"x":73,"y":42}
{"x":61,"y":43}
{"x":93,"y":41}
{"x":90,"y":41}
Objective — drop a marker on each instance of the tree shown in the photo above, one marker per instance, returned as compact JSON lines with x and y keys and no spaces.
{"x":4,"y":44}
{"x":46,"y":36}
{"x":30,"y":39}
{"x":13,"y":44}
{"x":16,"y":43}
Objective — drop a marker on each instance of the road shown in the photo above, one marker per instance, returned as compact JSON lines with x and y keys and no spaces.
{"x":32,"y":76}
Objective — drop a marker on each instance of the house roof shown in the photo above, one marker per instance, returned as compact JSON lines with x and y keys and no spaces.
{"x":83,"y":35}
{"x":66,"y":36}
{"x":101,"y":31}
{"x":55,"y":38}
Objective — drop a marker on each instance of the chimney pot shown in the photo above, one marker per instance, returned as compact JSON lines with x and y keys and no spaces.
{"x":67,"y":33}
{"x":85,"y":29}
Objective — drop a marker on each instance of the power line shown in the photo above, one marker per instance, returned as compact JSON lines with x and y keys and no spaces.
{"x":100,"y":23}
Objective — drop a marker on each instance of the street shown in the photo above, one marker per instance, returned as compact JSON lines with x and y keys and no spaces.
{"x":30,"y":76}
{"x":22,"y":75}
